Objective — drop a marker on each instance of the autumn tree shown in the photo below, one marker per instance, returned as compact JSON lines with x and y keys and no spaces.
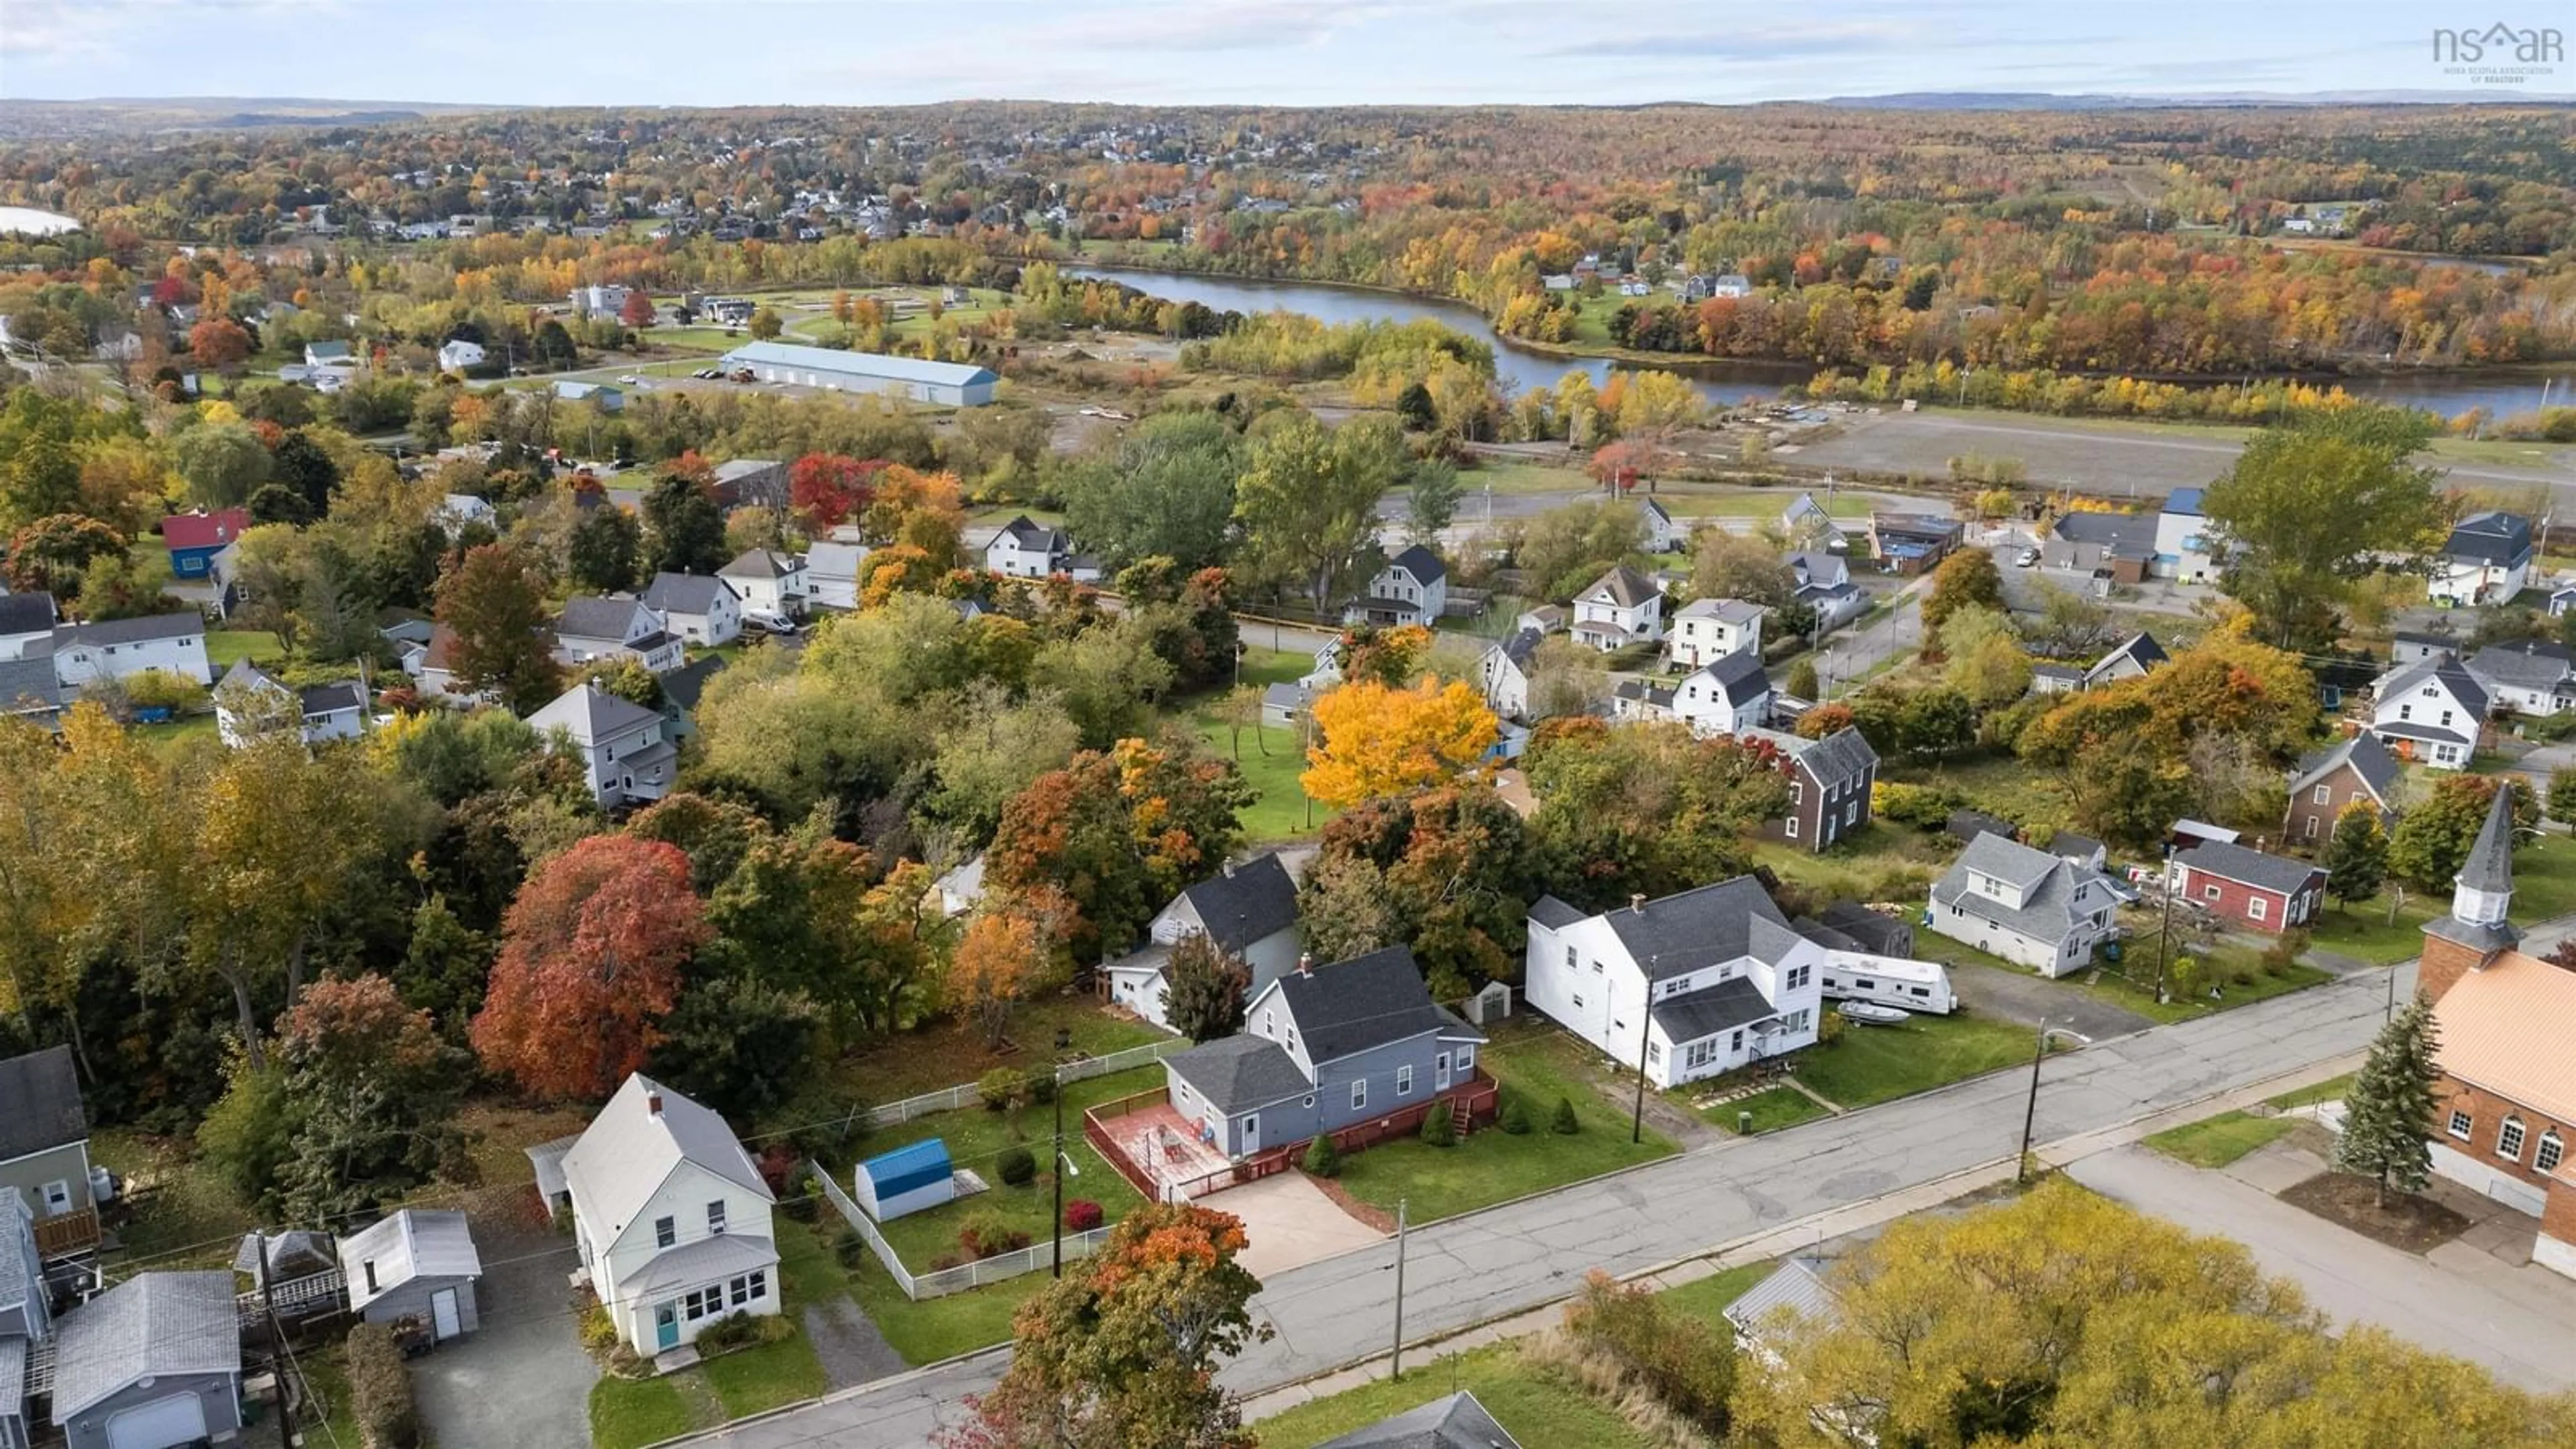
{"x":602,"y":549}
{"x":52,"y":554}
{"x":1119,"y":833}
{"x":2388,"y":1113}
{"x":1647,"y":808}
{"x":493,"y":605}
{"x":826,"y":490}
{"x":1123,"y":1350}
{"x":1165,"y":489}
{"x":1307,"y":498}
{"x":1393,"y":657}
{"x":766,"y":324}
{"x":590,"y":963}
{"x":1447,"y":872}
{"x":1003,"y":959}
{"x":223,"y":463}
{"x":921,"y":511}
{"x":1373,"y":741}
{"x":638,"y":309}
{"x":684,"y":530}
{"x":2356,"y":858}
{"x":1967,"y":577}
{"x":2432,"y":839}
{"x":219,"y":343}
{"x":2305,"y":506}
{"x":372,"y":1089}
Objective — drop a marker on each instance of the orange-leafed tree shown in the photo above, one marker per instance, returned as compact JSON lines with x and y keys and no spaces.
{"x":219,"y":343}
{"x":925,"y":510}
{"x":1003,"y":960}
{"x":590,"y":963}
{"x":1375,"y":742}
{"x":1124,"y":1348}
{"x":638,"y":311}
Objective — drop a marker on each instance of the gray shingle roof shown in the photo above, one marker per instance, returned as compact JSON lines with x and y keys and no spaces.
{"x":1422,"y":563}
{"x":1360,"y":1004}
{"x":2141,"y":647}
{"x":627,"y":1152}
{"x":761,"y":563}
{"x":1738,"y":676}
{"x":2368,"y":757}
{"x":28,"y":612}
{"x":1838,"y":758}
{"x":291,"y":1254}
{"x":1731,"y":1003}
{"x":1879,"y":933}
{"x":1728,"y":611}
{"x":2530,"y":664}
{"x":1456,"y":1422}
{"x":1240,"y":1073}
{"x":686,"y":593}
{"x":2442,"y":669}
{"x":1033,"y":539}
{"x":2047,"y":883}
{"x":40,"y":1103}
{"x":591,"y":714}
{"x":2246,"y":866}
{"x":682,"y":687}
{"x":1254,"y":900}
{"x":692,"y":1263}
{"x":1555,"y":914}
{"x":151,"y":1325}
{"x":1701,"y":927}
{"x":591,"y":617}
{"x":1521,"y":647}
{"x":2123,"y":535}
{"x":1653,"y":695}
{"x":1625,"y":587}
{"x":2490,"y":538}
{"x":331,"y":698}
{"x":29,"y":685}
{"x":131,"y":631}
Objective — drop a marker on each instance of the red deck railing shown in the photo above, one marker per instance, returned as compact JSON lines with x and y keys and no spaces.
{"x":1472,"y":1101}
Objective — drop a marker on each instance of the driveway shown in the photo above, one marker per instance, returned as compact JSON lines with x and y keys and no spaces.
{"x":2025,"y":998}
{"x":523,"y":1379}
{"x":1288,"y":1223}
{"x":2461,"y":1301}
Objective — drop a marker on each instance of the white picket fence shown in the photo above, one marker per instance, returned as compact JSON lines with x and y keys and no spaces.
{"x":949,"y":1099}
{"x":1037,"y":1257}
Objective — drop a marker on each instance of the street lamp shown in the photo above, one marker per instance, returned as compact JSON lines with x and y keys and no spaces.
{"x":2030,"y":1113}
{"x":1064,"y":1167}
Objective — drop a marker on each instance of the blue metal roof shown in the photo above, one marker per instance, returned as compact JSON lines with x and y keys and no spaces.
{"x":865,"y":364}
{"x":907,"y":1169}
{"x":2183,"y":500}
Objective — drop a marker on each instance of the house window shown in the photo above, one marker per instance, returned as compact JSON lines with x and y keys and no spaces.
{"x":1799,"y":976}
{"x":705,"y":1302}
{"x":2211,"y":892}
{"x":751,"y":1287}
{"x":1578,"y":1001}
{"x":1466,"y":1061}
{"x":715,"y":1218}
{"x":2551,"y":1149}
{"x":1359,"y":1095}
{"x":2405,"y":711}
{"x":1793,"y":827}
{"x":1596,"y":968}
{"x":1851,"y":813}
{"x":2324,"y":794}
{"x":1735,"y":1043}
{"x":2312,"y":827}
{"x":2446,"y":716}
{"x":1404,"y":1080}
{"x":1654,"y":1053}
{"x":2509,"y":1139}
{"x":2460,"y":1125}
{"x":2256,"y":907}
{"x":1699,"y":1054}
{"x":1569,"y":958}
{"x":666,"y":1231}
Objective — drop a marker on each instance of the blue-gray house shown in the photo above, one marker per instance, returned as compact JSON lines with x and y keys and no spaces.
{"x":1324,"y":1048}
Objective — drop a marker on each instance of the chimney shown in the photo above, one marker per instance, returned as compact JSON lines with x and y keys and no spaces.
{"x":653,"y":1105}
{"x":1637,"y":903}
{"x":1305,"y":964}
{"x":1229,"y":870}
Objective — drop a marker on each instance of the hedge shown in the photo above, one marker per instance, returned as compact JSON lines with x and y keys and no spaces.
{"x":380,"y":1389}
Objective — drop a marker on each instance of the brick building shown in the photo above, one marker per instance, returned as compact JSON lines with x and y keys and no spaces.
{"x":2504,"y":1111}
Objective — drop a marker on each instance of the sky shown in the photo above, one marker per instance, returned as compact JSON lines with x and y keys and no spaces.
{"x":1258,"y":52}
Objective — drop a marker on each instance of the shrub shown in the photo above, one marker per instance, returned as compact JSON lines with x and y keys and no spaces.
{"x":1016,"y":1166}
{"x":941,"y":1263}
{"x":1002,"y":1088}
{"x":777,"y":1161}
{"x":2240,"y":977}
{"x":598,"y":1329}
{"x":1924,"y":807}
{"x":380,"y":1389}
{"x":1688,"y":1371}
{"x":1515,"y":1117}
{"x":1082,"y":1215}
{"x":1830,"y":1027}
{"x":734,"y":1330}
{"x":1041,"y":1088}
{"x":989,"y":1233}
{"x":1440,"y":1126}
{"x":850,"y":1248}
{"x":1323,"y":1159}
{"x":2284,"y":953}
{"x":161,"y":689}
{"x":1564,"y":1123}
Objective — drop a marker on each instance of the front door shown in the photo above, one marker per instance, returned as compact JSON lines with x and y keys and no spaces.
{"x":443,"y":1318}
{"x":58,"y":1198}
{"x":666,"y":1326}
{"x":1252,"y":1133}
{"x":1440,"y":1073}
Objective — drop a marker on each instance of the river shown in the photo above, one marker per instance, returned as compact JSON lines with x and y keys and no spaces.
{"x":2448,"y":394}
{"x":29,"y":221}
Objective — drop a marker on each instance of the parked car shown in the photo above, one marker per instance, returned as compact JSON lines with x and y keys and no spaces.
{"x":2027,"y":559}
{"x":742,"y":374}
{"x":630,"y":379}
{"x":708,"y":374}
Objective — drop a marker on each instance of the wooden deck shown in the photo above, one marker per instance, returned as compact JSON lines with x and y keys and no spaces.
{"x":67,"y":1234}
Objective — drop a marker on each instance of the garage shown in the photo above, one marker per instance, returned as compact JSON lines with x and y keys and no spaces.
{"x":164,"y":1422}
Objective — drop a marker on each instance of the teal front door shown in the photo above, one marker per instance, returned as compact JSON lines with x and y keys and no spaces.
{"x":666,"y":1326}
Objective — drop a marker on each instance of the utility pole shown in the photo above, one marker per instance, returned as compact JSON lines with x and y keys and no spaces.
{"x":2164,"y":936}
{"x":1057,"y":1073}
{"x":2030,"y":1113}
{"x":1395,"y":1362}
{"x":277,"y":1360}
{"x":1645,"y":1037}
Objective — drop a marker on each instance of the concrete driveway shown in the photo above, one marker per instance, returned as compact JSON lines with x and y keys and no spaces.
{"x":1288,"y":1223}
{"x":2517,"y":1322}
{"x":2025,"y":998}
{"x":524,"y":1378}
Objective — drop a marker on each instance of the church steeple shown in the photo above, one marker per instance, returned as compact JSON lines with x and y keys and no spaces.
{"x":2479,"y":927}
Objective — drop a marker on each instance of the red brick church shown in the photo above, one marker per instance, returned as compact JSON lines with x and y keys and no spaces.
{"x":2504,"y":1116}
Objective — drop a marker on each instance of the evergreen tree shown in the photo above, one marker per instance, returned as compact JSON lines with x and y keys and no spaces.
{"x":685,"y":527}
{"x":2388,"y":1114}
{"x":2357,"y":855}
{"x":1206,"y":990}
{"x":2553,"y":804}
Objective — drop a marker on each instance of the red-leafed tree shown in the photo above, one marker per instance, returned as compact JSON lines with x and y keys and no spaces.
{"x":219,"y":343}
{"x":172,"y":292}
{"x":590,"y":963}
{"x":830,"y":488}
{"x":638,"y":311}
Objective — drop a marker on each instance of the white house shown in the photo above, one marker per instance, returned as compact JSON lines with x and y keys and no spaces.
{"x":1249,"y":911}
{"x":1725,"y":697}
{"x":1025,"y":550}
{"x":1505,"y":674}
{"x":2487,"y":560}
{"x":1705,"y":981}
{"x":594,"y":628}
{"x":621,"y":745}
{"x":602,"y":301}
{"x":1663,"y":534}
{"x":459,"y":355}
{"x":328,"y":354}
{"x":771,"y":584}
{"x":697,"y":607}
{"x":1824,"y":584}
{"x":123,"y":648}
{"x":2030,"y":907}
{"x":671,"y":1218}
{"x":1413,"y":588}
{"x":1621,"y":608}
{"x":2431,"y":712}
{"x":1707,"y":630}
{"x":2533,"y":677}
{"x":456,"y":510}
{"x":249,"y":703}
{"x":2187,"y":550}
{"x":832,"y":573}
{"x":27,"y":621}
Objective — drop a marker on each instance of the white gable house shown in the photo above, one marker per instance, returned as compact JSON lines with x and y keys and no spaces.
{"x":2027,"y":906}
{"x":696,"y":607}
{"x":1707,"y":981}
{"x":622,"y":746}
{"x":1248,"y":911}
{"x":592,"y":628}
{"x":771,"y":584}
{"x":250,"y":702}
{"x":1505,"y":673}
{"x":1707,"y":630}
{"x":1025,"y":550}
{"x":671,"y":1217}
{"x":1726,"y":697}
{"x":1413,"y":588}
{"x":1621,"y":608}
{"x":124,"y":648}
{"x":2431,"y":712}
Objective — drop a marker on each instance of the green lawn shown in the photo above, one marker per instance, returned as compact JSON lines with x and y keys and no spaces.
{"x":227,"y":647}
{"x":1878,"y":1063}
{"x":2220,"y":1140}
{"x":2218,"y":968}
{"x":942,"y":1328}
{"x":1772,"y":1108}
{"x":945,"y":1052}
{"x":1534,"y":1408}
{"x":627,"y":1413}
{"x":1537,"y":1064}
{"x":178,"y":731}
{"x":2366,"y":931}
{"x":976,"y":1140}
{"x":1270,"y":756}
{"x":2331,"y":1090}
{"x":1709,"y":1297}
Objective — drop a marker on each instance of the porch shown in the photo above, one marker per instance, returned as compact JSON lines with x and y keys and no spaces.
{"x":65,"y":1234}
{"x":1156,"y":1148}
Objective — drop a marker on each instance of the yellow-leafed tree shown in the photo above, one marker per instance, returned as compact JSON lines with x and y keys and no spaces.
{"x":1375,"y":742}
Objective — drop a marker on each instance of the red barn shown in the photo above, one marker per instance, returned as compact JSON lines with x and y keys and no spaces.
{"x":2268,"y":892}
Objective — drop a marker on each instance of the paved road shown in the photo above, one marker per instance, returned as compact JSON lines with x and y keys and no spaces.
{"x":1490,"y":1264}
{"x":2517,"y":1322}
{"x":1850,"y":654}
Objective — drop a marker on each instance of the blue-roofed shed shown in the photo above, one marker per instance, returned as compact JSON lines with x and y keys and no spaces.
{"x":906,"y":1180}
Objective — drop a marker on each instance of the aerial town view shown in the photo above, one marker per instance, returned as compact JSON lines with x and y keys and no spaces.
{"x":1195,"y":724}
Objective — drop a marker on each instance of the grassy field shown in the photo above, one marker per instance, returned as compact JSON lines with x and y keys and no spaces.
{"x":940,"y":1328}
{"x":1772,"y":1109}
{"x":1710,"y":1296}
{"x":227,"y":647}
{"x":1867,"y":866}
{"x":1539,"y":1065}
{"x":1269,"y":755}
{"x":1878,"y":1063}
{"x":2000,"y":786}
{"x":1517,"y":475}
{"x":2370,"y":931}
{"x":944,"y":1051}
{"x":2220,"y":1140}
{"x":1534,"y":1408}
